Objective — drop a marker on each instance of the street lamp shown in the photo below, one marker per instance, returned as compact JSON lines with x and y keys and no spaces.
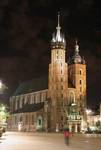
{"x":0,"y":84}
{"x":2,"y":87}
{"x":88,"y":111}
{"x":3,"y":108}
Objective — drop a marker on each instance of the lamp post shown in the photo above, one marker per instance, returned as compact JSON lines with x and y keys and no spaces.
{"x":88,"y":113}
{"x":2,"y":87}
{"x":3,"y":108}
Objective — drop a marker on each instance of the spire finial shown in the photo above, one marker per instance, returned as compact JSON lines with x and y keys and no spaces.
{"x":58,"y":26}
{"x":76,"y":42}
{"x":58,"y":19}
{"x":76,"y":47}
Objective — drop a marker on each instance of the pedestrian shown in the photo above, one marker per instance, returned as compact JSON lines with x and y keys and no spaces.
{"x":66,"y":136}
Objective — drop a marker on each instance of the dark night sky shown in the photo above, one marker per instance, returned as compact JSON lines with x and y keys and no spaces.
{"x":26,"y":27}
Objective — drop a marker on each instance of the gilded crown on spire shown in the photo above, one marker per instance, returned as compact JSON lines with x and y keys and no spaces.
{"x":58,"y":40}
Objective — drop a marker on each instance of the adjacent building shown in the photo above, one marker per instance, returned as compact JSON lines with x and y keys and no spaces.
{"x":54,"y":102}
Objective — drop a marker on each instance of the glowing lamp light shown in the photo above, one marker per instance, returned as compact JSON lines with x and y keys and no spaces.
{"x":0,"y":84}
{"x":73,"y":104}
{"x":88,"y":111}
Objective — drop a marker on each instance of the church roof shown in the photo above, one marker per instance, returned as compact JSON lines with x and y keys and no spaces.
{"x":30,"y":108}
{"x":34,"y":85}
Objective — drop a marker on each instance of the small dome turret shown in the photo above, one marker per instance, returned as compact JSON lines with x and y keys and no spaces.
{"x":77,"y":59}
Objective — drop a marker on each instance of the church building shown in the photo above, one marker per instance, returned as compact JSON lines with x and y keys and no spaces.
{"x":55,"y":102}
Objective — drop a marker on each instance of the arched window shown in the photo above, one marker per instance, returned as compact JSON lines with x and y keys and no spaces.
{"x":23,"y":101}
{"x":71,"y":97}
{"x":39,"y":121}
{"x":18,"y":103}
{"x":80,"y":81}
{"x":80,"y":71}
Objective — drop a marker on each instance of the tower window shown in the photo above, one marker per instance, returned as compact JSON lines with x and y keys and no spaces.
{"x":61,"y":71}
{"x":39,"y":121}
{"x":62,"y":118}
{"x":61,"y":95}
{"x":26,"y":119}
{"x":80,"y":82}
{"x":72,"y":97}
{"x":62,"y":103}
{"x":62,"y":87}
{"x":80,"y":71}
{"x":32,"y":119}
{"x":61,"y":79}
{"x":80,"y":89}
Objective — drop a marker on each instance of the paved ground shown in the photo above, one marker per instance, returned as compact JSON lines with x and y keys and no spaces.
{"x":44,"y":141}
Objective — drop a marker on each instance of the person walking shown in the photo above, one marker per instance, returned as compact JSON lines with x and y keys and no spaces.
{"x":66,"y":136}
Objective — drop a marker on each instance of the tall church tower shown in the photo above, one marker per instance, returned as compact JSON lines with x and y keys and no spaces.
{"x":58,"y":78}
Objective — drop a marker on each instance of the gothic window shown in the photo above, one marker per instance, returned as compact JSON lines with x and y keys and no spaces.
{"x":26,"y":119}
{"x":80,"y":71}
{"x":39,"y":121}
{"x":35,"y":98}
{"x":72,"y":97}
{"x":40,"y":97}
{"x":61,"y":118}
{"x":32,"y":119}
{"x":62,"y":104}
{"x":15,"y":120}
{"x":23,"y":101}
{"x":20,"y":118}
{"x":80,"y":97}
{"x":18,"y":104}
{"x":61,"y":71}
{"x":61,"y":87}
{"x":61,"y":79}
{"x":80,"y":81}
{"x":80,"y":89}
{"x":43,"y":96}
{"x":27,"y":100}
{"x":61,"y":95}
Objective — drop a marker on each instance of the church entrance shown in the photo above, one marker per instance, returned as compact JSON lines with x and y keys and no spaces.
{"x":73,"y":128}
{"x":39,"y":125}
{"x":78,"y":127}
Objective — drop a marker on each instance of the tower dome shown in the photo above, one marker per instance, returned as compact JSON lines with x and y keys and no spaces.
{"x":58,"y":39}
{"x":77,"y":59}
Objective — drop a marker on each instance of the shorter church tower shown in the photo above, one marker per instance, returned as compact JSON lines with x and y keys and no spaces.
{"x":77,"y":75}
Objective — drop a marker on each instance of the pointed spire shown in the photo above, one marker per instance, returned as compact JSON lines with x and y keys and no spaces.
{"x":58,"y":39}
{"x":58,"y":34}
{"x":59,"y":20}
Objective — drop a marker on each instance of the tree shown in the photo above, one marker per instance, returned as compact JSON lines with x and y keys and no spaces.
{"x":3,"y":113}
